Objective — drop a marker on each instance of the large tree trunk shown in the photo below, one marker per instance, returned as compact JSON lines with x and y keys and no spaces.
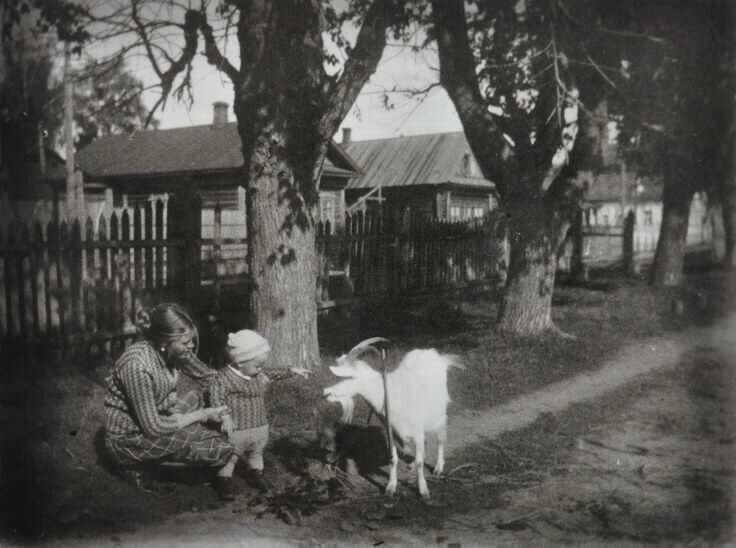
{"x":283,"y":267}
{"x":669,"y":258}
{"x":727,"y":188}
{"x":279,"y":111}
{"x":524,"y":171}
{"x":728,"y":208}
{"x":288,"y":109}
{"x":526,"y":308}
{"x":535,"y":235}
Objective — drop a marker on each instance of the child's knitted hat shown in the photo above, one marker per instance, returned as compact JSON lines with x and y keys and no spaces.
{"x":246,"y":345}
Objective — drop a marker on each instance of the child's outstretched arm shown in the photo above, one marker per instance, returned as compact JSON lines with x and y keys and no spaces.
{"x":280,"y":373}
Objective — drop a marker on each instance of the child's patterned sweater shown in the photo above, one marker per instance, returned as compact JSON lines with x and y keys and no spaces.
{"x":243,"y":395}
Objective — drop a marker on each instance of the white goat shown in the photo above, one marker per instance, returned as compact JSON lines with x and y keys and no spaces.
{"x":418,"y":398}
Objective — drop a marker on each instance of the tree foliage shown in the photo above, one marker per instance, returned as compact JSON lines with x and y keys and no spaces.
{"x":518,"y":76}
{"x":30,"y":31}
{"x":107,"y":100}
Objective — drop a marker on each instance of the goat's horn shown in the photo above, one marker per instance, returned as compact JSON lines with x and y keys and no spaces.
{"x":366,"y":345}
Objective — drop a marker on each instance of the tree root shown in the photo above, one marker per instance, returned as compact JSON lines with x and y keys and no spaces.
{"x":564,"y":335}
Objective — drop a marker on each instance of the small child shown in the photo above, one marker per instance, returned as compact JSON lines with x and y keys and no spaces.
{"x":241,"y":386}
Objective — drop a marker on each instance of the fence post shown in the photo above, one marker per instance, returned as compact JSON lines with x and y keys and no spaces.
{"x":90,"y":278}
{"x":185,"y":229}
{"x":219,"y":264}
{"x":578,"y":269}
{"x":629,"y":264}
{"x":76,"y":274}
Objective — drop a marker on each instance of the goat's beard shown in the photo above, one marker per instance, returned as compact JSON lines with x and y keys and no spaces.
{"x":348,"y":406}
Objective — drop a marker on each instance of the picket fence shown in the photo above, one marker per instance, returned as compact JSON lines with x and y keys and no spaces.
{"x":81,"y":281}
{"x":72,"y":283}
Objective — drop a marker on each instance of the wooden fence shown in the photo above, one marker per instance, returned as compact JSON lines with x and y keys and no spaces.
{"x":629,"y":245}
{"x":75,"y":281}
{"x":72,"y":283}
{"x":371,"y":258}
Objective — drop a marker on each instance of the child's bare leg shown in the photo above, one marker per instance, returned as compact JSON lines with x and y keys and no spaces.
{"x":227,"y":470}
{"x":258,"y":442}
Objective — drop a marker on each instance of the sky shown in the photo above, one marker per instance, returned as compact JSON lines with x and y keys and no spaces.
{"x":368,"y":119}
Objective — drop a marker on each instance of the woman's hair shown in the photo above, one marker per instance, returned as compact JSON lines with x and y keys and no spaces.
{"x":165,"y":322}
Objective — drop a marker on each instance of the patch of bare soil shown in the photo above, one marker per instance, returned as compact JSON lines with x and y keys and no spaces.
{"x":659,"y":471}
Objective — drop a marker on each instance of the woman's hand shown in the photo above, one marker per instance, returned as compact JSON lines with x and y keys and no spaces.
{"x":213,"y":413}
{"x":227,"y":425}
{"x":200,"y":415}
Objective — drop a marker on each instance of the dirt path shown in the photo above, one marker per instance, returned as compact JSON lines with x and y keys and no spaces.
{"x":660,"y":353}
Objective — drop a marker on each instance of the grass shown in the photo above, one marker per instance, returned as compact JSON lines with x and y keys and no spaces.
{"x":58,"y":485}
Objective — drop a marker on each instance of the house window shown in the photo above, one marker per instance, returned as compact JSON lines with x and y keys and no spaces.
{"x":477,"y":212}
{"x":467,"y":213}
{"x":591,"y":217}
{"x":327,"y":209}
{"x":648,"y":217}
{"x":604,"y":219}
{"x":455,"y":213}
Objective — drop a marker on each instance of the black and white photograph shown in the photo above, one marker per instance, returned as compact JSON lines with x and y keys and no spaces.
{"x":336,"y":273}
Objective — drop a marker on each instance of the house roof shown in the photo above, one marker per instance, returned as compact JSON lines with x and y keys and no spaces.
{"x":430,"y":159}
{"x":606,"y":187}
{"x":203,"y":148}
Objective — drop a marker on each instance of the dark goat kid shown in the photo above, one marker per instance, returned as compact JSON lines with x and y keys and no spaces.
{"x":365,"y":445}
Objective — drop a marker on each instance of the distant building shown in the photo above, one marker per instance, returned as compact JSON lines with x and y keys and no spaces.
{"x":434,"y":176}
{"x":124,"y":169}
{"x":610,"y":198}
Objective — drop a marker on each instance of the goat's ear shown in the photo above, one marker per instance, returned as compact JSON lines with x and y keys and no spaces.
{"x":454,"y":360}
{"x":342,"y":370}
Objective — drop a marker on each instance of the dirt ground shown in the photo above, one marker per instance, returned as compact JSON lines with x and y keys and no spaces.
{"x":637,"y":451}
{"x":653,"y":463}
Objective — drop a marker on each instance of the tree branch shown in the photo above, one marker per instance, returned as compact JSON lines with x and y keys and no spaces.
{"x":409,"y":92}
{"x":366,"y":54}
{"x":215,"y":57}
{"x":193,"y":20}
{"x":458,"y":77}
{"x":143,"y":34}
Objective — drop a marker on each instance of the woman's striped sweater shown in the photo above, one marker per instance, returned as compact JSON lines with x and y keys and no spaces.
{"x":138,"y":391}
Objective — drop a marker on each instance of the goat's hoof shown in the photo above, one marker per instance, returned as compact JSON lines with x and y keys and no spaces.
{"x":438,"y":471}
{"x":425,"y":496}
{"x":390,"y":490}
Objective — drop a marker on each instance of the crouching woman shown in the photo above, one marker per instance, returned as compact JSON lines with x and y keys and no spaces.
{"x":145,"y":422}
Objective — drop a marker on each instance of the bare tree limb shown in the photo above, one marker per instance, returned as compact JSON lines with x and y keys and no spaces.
{"x":605,"y":30}
{"x":409,"y":92}
{"x":362,"y":63}
{"x":143,"y":34}
{"x":156,"y":105}
{"x":458,"y":77}
{"x":215,"y":57}
{"x":193,"y":20}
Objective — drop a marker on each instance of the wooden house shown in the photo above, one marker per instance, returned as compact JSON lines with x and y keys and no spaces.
{"x":428,"y":176}
{"x":613,"y":194}
{"x":124,"y":169}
